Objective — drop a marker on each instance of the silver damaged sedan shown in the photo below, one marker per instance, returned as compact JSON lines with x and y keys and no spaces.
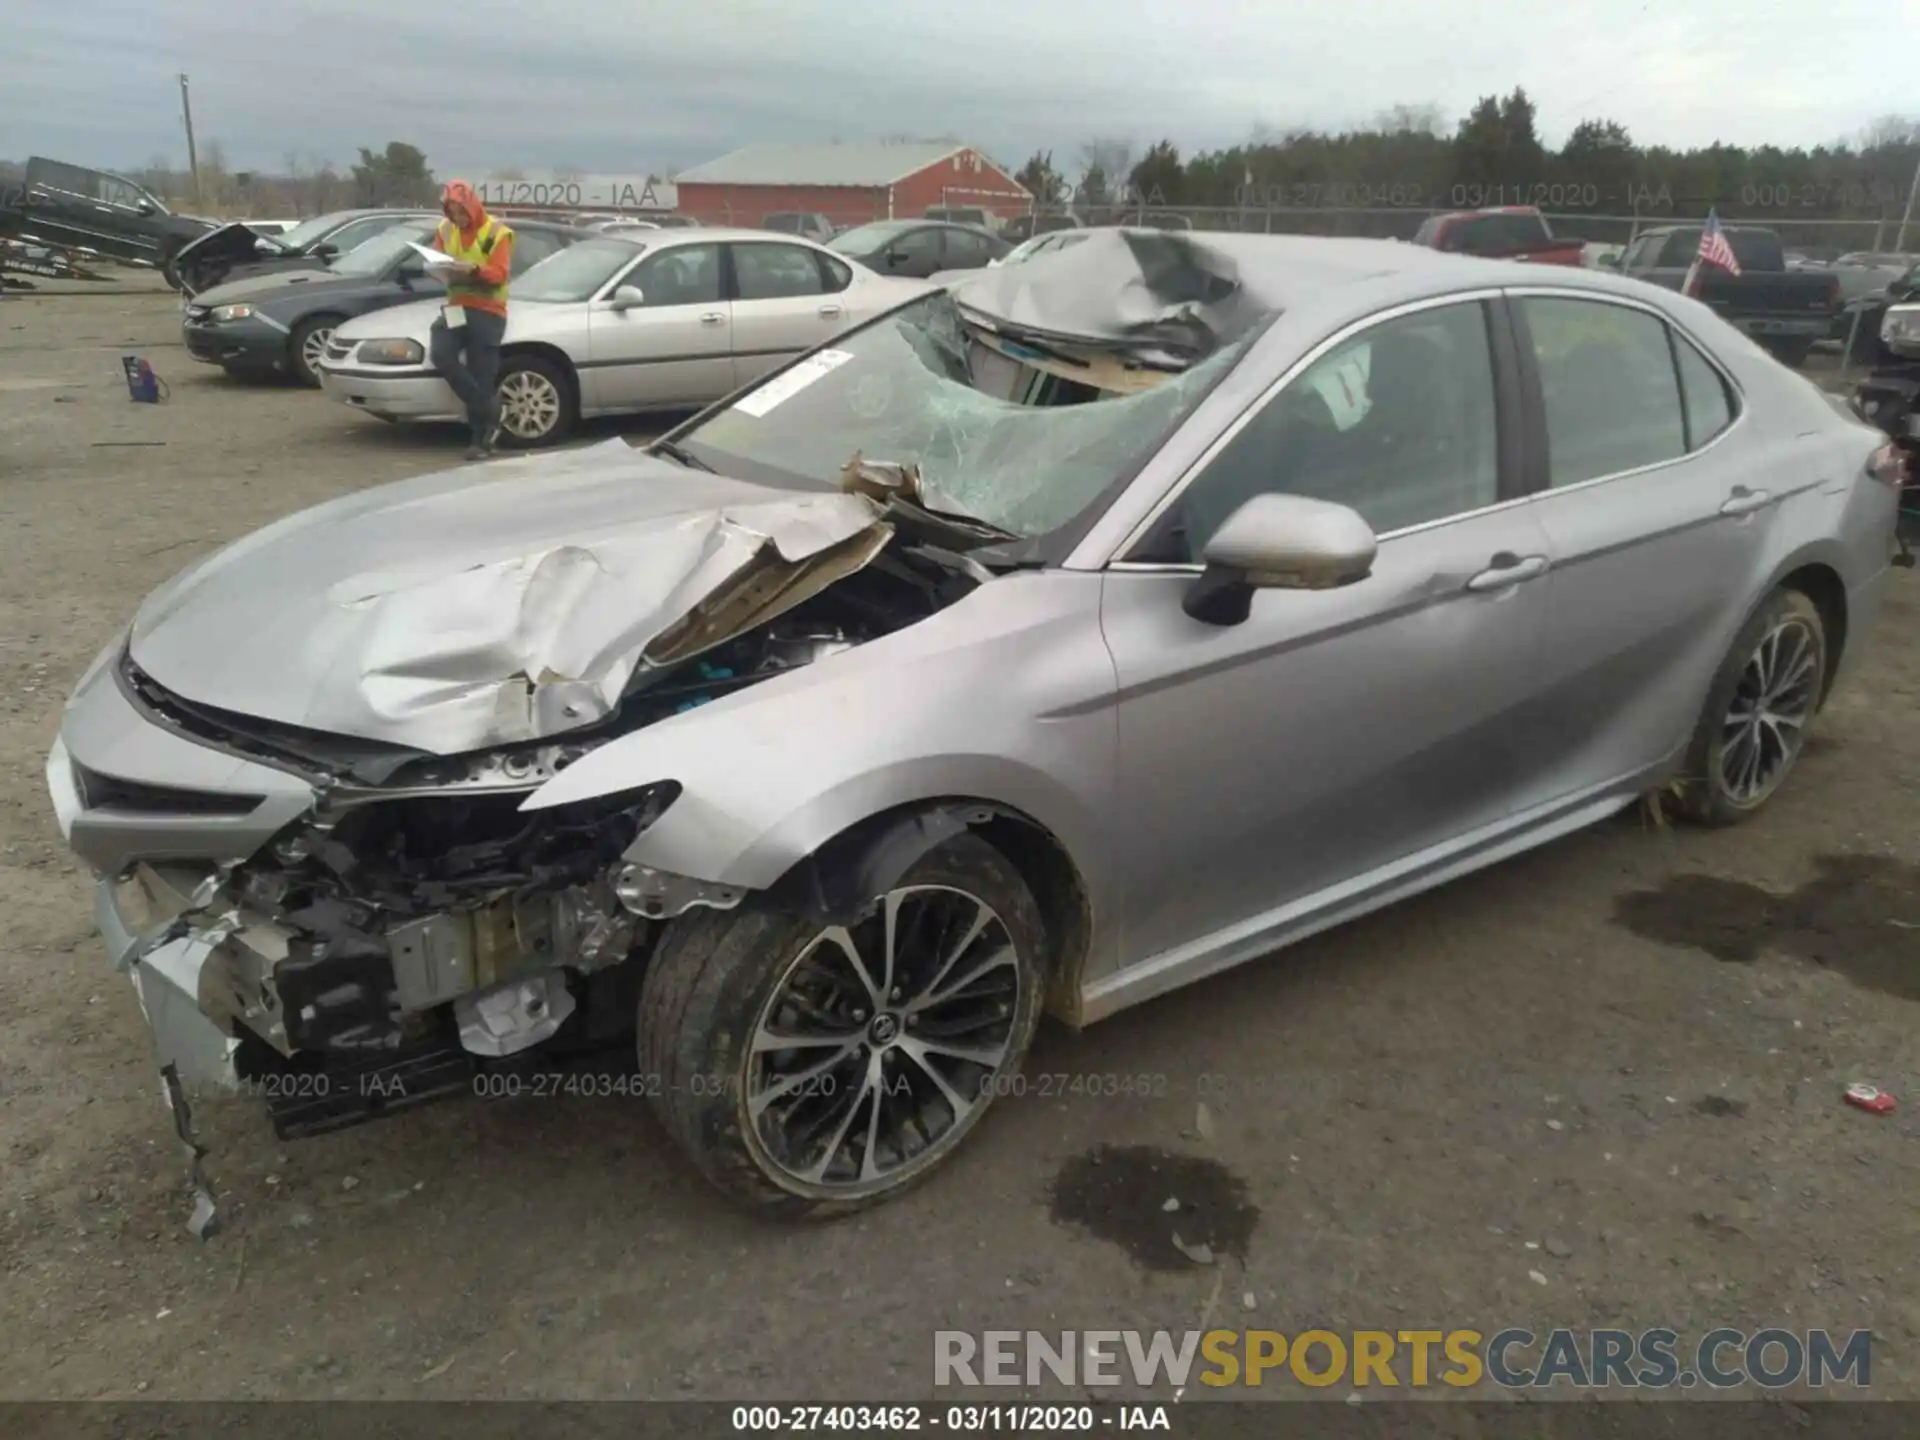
{"x":1043,"y":644}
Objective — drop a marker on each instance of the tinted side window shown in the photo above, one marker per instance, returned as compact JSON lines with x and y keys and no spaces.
{"x":917,"y":244}
{"x":1709,"y":405}
{"x":774,"y":272}
{"x":1680,"y":248}
{"x":1607,"y":380}
{"x":684,"y":275}
{"x":966,"y":248}
{"x":1398,"y":423}
{"x":69,"y":178}
{"x":838,"y":275}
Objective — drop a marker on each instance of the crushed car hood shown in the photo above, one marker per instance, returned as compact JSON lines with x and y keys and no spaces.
{"x":493,"y":604}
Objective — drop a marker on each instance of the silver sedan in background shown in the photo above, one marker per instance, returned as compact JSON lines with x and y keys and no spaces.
{"x":622,"y":324}
{"x":1047,"y":643}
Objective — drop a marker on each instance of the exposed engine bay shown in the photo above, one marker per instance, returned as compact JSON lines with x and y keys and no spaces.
{"x":416,"y":923}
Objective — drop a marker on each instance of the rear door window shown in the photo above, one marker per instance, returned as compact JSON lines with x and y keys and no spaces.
{"x":774,"y":272}
{"x":1609,"y":387}
{"x":963,"y":247}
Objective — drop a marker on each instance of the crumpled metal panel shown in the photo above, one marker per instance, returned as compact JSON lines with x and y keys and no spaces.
{"x":1167,"y":297}
{"x":479,"y":608}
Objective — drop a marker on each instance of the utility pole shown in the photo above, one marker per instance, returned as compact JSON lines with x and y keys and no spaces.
{"x":1913,"y":193}
{"x":193,"y":160}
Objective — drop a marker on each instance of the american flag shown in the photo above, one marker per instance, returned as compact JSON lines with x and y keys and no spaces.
{"x":1714,"y":250}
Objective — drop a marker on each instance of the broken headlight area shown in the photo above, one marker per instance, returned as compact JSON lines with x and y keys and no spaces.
{"x":417,"y":925}
{"x":400,"y":939}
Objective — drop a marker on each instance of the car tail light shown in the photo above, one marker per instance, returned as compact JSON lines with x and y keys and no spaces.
{"x":1888,"y":465}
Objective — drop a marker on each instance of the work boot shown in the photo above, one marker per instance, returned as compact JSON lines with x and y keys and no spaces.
{"x":484,"y":434}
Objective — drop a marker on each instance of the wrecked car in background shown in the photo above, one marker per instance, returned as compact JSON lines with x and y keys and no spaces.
{"x":240,"y":251}
{"x":1049,"y":642}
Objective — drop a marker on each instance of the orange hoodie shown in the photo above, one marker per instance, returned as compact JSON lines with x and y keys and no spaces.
{"x":498,"y":265}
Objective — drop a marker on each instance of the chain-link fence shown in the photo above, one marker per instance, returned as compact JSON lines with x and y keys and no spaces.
{"x":1823,"y":235}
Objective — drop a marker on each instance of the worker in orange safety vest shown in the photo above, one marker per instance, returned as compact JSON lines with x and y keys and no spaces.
{"x":464,"y":343}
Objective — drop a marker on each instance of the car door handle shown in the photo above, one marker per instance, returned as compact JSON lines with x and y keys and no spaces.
{"x":1507,"y":571}
{"x":830,"y":311}
{"x":1744,"y":501}
{"x":712,"y":317}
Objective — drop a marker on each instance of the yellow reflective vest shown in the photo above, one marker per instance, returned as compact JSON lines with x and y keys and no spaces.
{"x":475,"y":292}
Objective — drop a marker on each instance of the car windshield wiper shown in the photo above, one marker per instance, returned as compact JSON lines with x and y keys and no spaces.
{"x":676,"y":452}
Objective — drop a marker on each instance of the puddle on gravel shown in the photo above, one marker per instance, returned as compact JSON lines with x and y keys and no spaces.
{"x":1120,"y":1194}
{"x":1859,"y":915}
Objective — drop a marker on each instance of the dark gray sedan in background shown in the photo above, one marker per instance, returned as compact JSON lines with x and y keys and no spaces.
{"x":918,"y":249}
{"x":279,"y":324}
{"x":240,"y":252}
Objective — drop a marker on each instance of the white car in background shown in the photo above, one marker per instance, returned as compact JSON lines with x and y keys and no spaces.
{"x":621,"y":325}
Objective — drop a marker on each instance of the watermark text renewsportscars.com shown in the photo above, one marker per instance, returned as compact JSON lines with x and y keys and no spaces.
{"x":1657,"y":1359}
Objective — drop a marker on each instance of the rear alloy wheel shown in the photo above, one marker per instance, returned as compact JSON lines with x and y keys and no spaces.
{"x":536,"y":402}
{"x":307,"y":347}
{"x":811,"y":1069}
{"x":1756,"y":719}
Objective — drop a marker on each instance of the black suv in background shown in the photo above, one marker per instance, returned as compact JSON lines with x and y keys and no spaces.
{"x":70,"y":205}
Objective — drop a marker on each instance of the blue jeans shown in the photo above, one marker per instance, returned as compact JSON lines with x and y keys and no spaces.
{"x":472,"y":381}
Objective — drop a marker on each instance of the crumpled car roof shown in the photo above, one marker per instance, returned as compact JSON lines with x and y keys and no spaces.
{"x":1167,"y":298}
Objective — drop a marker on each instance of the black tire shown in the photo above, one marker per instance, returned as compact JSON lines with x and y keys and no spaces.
{"x":715,"y":976}
{"x":301,"y":342}
{"x":563,"y":406}
{"x":1705,"y":794}
{"x":168,"y":271}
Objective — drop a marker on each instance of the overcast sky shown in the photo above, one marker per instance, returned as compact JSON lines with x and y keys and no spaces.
{"x":621,"y":86}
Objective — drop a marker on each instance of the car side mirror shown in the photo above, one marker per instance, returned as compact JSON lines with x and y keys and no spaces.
{"x":896,"y":258}
{"x":145,"y":207}
{"x":1279,"y":542}
{"x":628,"y":297}
{"x":326,"y":251}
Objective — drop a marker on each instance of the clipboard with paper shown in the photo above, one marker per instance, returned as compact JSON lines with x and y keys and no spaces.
{"x":440,"y":265}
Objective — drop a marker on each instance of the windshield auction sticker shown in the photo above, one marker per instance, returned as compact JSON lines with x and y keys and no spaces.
{"x":785,"y":386}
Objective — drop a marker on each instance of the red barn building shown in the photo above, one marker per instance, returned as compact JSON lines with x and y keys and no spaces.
{"x":849,"y":184}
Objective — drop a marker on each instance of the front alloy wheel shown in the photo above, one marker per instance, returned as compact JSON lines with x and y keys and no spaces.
{"x":882,"y":1041}
{"x":811,"y":1068}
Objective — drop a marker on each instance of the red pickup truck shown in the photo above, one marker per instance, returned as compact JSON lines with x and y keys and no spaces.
{"x":1511,"y":232}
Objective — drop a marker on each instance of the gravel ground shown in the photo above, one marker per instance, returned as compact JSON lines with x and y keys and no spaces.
{"x":1613,"y":1066}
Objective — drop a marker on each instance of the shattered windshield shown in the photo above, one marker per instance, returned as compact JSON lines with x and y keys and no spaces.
{"x":995,"y":439}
